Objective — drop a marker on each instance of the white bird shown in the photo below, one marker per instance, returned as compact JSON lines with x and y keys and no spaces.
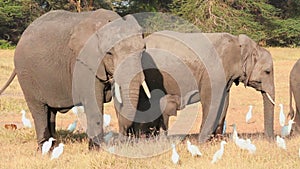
{"x":299,"y":152}
{"x":224,"y":127}
{"x":242,"y":143}
{"x":175,"y":156}
{"x":194,"y":150}
{"x":218,"y":155}
{"x":108,"y":136}
{"x":106,"y":120}
{"x":281,"y":116}
{"x":280,"y":142}
{"x":72,"y":126}
{"x":77,"y":109}
{"x":234,"y":133}
{"x":249,"y":114}
{"x":111,"y":149}
{"x":47,"y":145}
{"x":250,"y":147}
{"x":286,"y":130}
{"x":57,"y":151}
{"x":26,"y":122}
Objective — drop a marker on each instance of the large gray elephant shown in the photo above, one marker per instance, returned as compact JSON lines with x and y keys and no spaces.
{"x":65,"y":59}
{"x":295,"y":91}
{"x":202,"y":67}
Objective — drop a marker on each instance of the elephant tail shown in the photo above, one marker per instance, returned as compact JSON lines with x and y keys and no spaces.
{"x":11,"y":78}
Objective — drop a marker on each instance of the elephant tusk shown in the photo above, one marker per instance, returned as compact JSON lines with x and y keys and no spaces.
{"x":118,"y":93}
{"x":146,"y":89}
{"x":270,"y":98}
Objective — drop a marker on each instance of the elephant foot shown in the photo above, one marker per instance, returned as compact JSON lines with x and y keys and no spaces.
{"x":95,"y":142}
{"x":93,"y":145}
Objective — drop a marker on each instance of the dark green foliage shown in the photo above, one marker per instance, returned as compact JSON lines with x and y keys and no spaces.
{"x":270,"y":22}
{"x":15,"y":16}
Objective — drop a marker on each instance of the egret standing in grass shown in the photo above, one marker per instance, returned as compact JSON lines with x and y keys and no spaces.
{"x":175,"y":156}
{"x":72,"y":126}
{"x":194,"y":150}
{"x":249,"y":114}
{"x":218,"y":155}
{"x":26,"y":122}
{"x":234,"y":133}
{"x":106,"y":120}
{"x":280,"y":142}
{"x":250,"y":147}
{"x":286,"y":130}
{"x":47,"y":145}
{"x":57,"y":151}
{"x":108,"y":136}
{"x":281,"y":116}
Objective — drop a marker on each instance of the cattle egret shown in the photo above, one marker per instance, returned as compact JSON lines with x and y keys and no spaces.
{"x":175,"y":156}
{"x":250,"y":147}
{"x":72,"y":126}
{"x":249,"y":114}
{"x":280,"y":142}
{"x":194,"y":150}
{"x":281,"y":116}
{"x":47,"y":145}
{"x":299,"y":152}
{"x":286,"y":130}
{"x":108,"y":136}
{"x":234,"y":133}
{"x":218,"y":155}
{"x":26,"y":122}
{"x":77,"y":109}
{"x":224,"y":127}
{"x":57,"y":151}
{"x":106,"y":120}
{"x":111,"y":149}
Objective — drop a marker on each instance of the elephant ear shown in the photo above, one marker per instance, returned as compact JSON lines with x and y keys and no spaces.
{"x":88,"y":26}
{"x":249,"y":54}
{"x":106,"y":68}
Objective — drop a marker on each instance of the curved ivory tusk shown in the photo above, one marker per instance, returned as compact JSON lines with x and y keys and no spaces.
{"x":270,"y":98}
{"x":146,"y":89}
{"x":118,"y":93}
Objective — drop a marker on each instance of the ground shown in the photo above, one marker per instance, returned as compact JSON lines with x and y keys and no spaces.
{"x":12,"y":102}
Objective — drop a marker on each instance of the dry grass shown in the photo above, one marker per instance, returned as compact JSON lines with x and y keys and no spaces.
{"x":18,"y":147}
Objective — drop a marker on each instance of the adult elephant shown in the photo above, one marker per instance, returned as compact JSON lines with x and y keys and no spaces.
{"x":65,"y":59}
{"x":295,"y":91}
{"x":203,"y":67}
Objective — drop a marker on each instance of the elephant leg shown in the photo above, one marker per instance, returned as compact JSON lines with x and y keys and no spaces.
{"x":220,"y":127}
{"x":51,"y":121}
{"x":297,"y":114}
{"x":39,"y":113}
{"x":94,"y":115}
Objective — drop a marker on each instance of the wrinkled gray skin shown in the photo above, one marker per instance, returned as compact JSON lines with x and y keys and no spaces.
{"x":243,"y":61}
{"x":45,"y":58}
{"x":295,"y":91}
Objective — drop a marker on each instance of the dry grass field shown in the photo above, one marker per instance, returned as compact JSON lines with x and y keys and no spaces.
{"x":18,"y":147}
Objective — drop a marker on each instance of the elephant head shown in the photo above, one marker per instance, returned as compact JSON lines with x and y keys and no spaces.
{"x":113,"y":54}
{"x":258,"y":73}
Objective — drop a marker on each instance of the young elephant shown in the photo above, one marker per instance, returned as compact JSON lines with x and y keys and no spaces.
{"x":295,"y":91}
{"x":65,"y":59}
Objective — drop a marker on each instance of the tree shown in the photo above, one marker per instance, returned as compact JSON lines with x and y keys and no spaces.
{"x":15,"y":16}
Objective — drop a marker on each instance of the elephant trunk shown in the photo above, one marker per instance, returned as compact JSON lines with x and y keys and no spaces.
{"x":269,"y":103}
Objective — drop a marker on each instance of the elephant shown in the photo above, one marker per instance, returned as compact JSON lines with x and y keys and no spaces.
{"x":202,"y":67}
{"x":65,"y":59}
{"x":294,"y":91}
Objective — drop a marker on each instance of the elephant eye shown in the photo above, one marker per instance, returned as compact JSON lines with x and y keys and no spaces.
{"x":268,"y":71}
